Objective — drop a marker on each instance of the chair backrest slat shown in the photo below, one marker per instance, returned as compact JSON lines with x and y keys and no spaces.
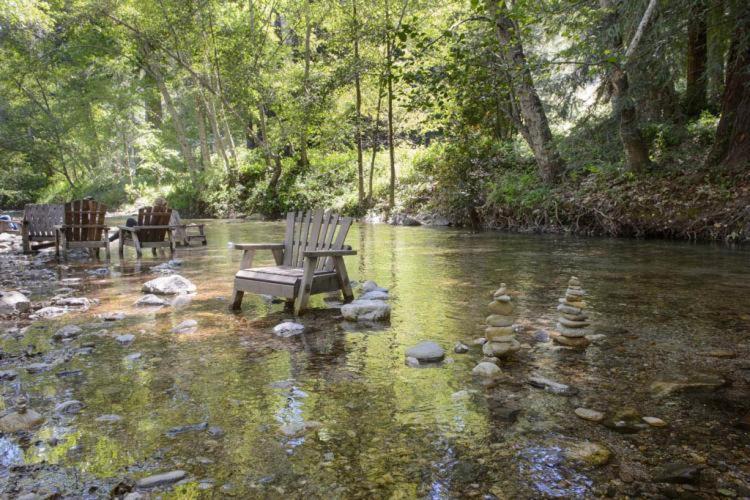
{"x":81,"y":213}
{"x":147,"y":216}
{"x":316,"y":230}
{"x":42,"y":219}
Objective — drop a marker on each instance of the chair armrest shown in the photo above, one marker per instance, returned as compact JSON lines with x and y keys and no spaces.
{"x":258,"y":246}
{"x":329,"y":253}
{"x":86,"y":226}
{"x":141,"y":228}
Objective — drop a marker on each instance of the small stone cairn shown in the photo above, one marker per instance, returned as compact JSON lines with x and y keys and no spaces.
{"x":573,"y":320}
{"x":501,"y":341}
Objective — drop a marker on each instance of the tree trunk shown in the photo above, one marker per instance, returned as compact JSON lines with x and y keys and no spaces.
{"x":376,"y":128}
{"x":732,"y":144}
{"x":303,"y":160}
{"x":216,"y":131}
{"x":200,"y":118}
{"x":697,"y":54}
{"x":358,"y":118}
{"x":389,"y":105}
{"x":717,"y":49}
{"x":535,"y":127}
{"x":152,"y":101}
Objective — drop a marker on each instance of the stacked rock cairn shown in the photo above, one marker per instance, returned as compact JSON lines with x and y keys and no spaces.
{"x":573,"y":320}
{"x":501,"y":341}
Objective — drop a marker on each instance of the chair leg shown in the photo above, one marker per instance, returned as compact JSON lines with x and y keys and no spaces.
{"x":137,"y":245}
{"x":153,"y":251}
{"x":106,"y":247}
{"x":305,"y":286}
{"x":343,"y":277}
{"x":121,"y":244}
{"x":237,"y":300}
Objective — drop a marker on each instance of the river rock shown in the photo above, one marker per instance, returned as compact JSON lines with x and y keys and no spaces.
{"x":187,"y":326}
{"x":486,"y":369}
{"x":370,"y":286}
{"x":49,"y":312}
{"x":38,"y":367}
{"x":498,"y":320}
{"x":552,"y":386}
{"x":6,"y":375}
{"x":694,"y":383}
{"x":426,"y":352}
{"x":151,"y":300}
{"x":366,"y":310}
{"x":288,"y":329}
{"x":678,"y":473}
{"x":13,"y":302}
{"x":460,"y":348}
{"x":161,"y":479}
{"x":589,"y":453}
{"x":169,"y":285}
{"x":67,"y":332}
{"x":15,"y":421}
{"x":501,"y":308}
{"x":125,"y":339}
{"x":70,"y":407}
{"x":587,"y":414}
{"x":501,"y":349}
{"x":374,"y":295}
{"x":79,"y":303}
{"x":113,"y":316}
{"x":411,"y":362}
{"x":575,"y":342}
{"x":655,"y":422}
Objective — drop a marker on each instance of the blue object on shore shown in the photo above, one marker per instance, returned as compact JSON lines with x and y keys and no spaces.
{"x":13,"y":225}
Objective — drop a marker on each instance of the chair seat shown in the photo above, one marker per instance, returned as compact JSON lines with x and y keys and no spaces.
{"x":278,"y":274}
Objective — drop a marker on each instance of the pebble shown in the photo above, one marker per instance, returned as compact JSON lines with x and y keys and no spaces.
{"x":70,"y":407}
{"x":161,"y":479}
{"x":460,"y":348}
{"x":655,"y":422}
{"x":288,"y":329}
{"x":113,"y":316}
{"x":133,"y":357}
{"x":67,"y":332}
{"x":186,"y":327}
{"x":151,"y":300}
{"x":589,"y":453}
{"x":552,"y":386}
{"x":125,"y":339}
{"x":587,"y":414}
{"x":412,"y":362}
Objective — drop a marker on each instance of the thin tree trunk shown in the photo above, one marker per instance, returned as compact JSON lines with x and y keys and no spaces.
{"x":717,"y":49}
{"x":697,"y":56}
{"x":376,"y":128}
{"x":303,"y":160}
{"x":732,"y":144}
{"x":200,"y":116}
{"x":152,"y":101}
{"x":216,"y":131}
{"x":358,"y":119}
{"x":389,"y":102}
{"x":535,"y":126}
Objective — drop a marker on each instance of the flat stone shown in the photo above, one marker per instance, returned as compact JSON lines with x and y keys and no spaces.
{"x":366,"y":310}
{"x":575,"y":342}
{"x":38,"y":367}
{"x":572,"y":324}
{"x":552,"y":386}
{"x":70,"y":407}
{"x":567,"y":309}
{"x":161,"y":479}
{"x":486,"y":370}
{"x":499,"y":320}
{"x":288,"y":329}
{"x":187,"y":326}
{"x":108,"y":419}
{"x":591,"y":415}
{"x":14,"y":422}
{"x":133,"y":357}
{"x":589,"y":453}
{"x":151,"y":300}
{"x":503,"y":290}
{"x":570,"y":332}
{"x":169,"y":285}
{"x":498,"y":332}
{"x":426,"y":352}
{"x":479,"y":341}
{"x":695,"y":383}
{"x":501,"y":308}
{"x":655,"y":422}
{"x":80,"y":303}
{"x":113,"y":316}
{"x":501,"y":349}
{"x":49,"y":312}
{"x":125,"y":339}
{"x":502,"y":298}
{"x":574,"y":317}
{"x":67,"y":332}
{"x":678,"y":473}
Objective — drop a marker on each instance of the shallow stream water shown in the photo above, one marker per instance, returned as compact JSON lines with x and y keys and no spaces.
{"x":335,"y":413}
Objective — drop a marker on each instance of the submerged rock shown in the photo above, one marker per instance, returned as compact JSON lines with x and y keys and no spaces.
{"x":678,"y":473}
{"x":412,"y":362}
{"x":25,"y":421}
{"x":655,"y":422}
{"x":288,"y":329}
{"x":176,"y":431}
{"x":486,"y":369}
{"x":552,"y":386}
{"x":460,"y":348}
{"x":426,"y":352}
{"x":108,"y":419}
{"x":366,"y":310}
{"x":13,"y":302}
{"x":169,"y":285}
{"x":67,"y":332}
{"x":161,"y":479}
{"x":151,"y":300}
{"x":70,"y":407}
{"x":78,"y":303}
{"x":589,"y":453}
{"x":592,"y":415}
{"x":8,"y":375}
{"x":696,"y":383}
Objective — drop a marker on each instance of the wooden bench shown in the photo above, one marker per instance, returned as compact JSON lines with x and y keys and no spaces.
{"x":187,"y":233}
{"x":309,"y":261}
{"x":83,"y":227}
{"x":152,"y":231}
{"x":39,"y":225}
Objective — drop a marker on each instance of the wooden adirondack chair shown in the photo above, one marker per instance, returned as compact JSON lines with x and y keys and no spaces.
{"x":83,"y":227}
{"x":309,"y":261}
{"x":183,"y":231}
{"x":38,"y":225}
{"x":153,"y":231}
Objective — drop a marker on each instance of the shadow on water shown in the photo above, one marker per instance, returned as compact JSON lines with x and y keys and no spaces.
{"x":336,"y":413}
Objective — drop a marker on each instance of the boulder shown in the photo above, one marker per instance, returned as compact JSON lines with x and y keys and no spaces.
{"x":426,"y":352}
{"x":169,"y":285}
{"x":366,"y":310}
{"x":13,"y":303}
{"x":288,"y":329}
